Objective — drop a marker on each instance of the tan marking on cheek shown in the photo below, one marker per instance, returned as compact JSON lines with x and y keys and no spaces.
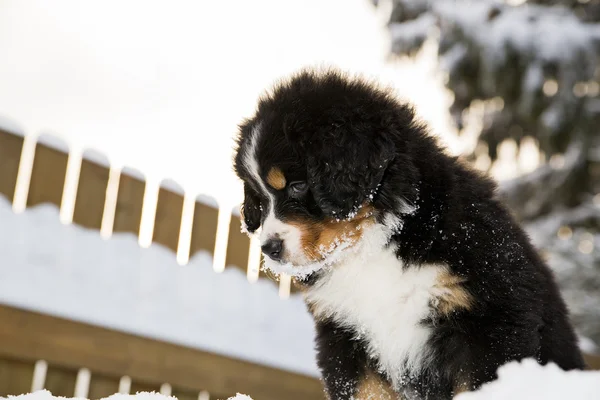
{"x":309,"y":235}
{"x":276,"y":179}
{"x":372,"y":387}
{"x":319,"y":238}
{"x":453,"y":296}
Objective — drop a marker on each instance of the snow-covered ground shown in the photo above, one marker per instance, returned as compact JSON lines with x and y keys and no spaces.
{"x":528,"y":380}
{"x":46,"y":395}
{"x":68,"y":271}
{"x":517,"y":381}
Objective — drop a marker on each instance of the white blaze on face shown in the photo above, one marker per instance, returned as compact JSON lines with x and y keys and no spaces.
{"x":272,"y":227}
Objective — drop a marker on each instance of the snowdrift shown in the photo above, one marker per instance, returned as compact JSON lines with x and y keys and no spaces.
{"x":528,"y":380}
{"x":524,"y":380}
{"x":46,"y":395}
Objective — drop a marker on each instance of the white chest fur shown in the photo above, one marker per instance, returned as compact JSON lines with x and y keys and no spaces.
{"x":384,"y":303}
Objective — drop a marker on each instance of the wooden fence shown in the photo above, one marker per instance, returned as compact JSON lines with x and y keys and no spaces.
{"x":70,"y":358}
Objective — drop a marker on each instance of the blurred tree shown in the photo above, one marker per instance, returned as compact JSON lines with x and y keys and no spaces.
{"x":541,"y":59}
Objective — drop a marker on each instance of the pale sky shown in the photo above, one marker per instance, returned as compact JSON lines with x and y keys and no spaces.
{"x":161,"y":86}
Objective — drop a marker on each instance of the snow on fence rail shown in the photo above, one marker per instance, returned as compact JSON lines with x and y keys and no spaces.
{"x":523,"y":380}
{"x":92,"y":193}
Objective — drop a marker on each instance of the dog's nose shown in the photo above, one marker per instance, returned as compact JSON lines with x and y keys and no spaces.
{"x":273,"y":248}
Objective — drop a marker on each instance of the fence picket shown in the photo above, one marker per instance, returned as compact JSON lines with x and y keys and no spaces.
{"x":138,"y":386}
{"x":15,"y":376}
{"x":10,"y":156}
{"x":238,"y":249}
{"x":184,"y":394}
{"x":91,"y":192}
{"x":167,"y":221}
{"x":48,"y":173}
{"x":102,"y":386}
{"x":130,"y":198}
{"x":61,"y":381}
{"x":204,"y":228}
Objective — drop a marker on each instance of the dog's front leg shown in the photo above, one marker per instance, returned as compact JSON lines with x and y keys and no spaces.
{"x":342,"y":360}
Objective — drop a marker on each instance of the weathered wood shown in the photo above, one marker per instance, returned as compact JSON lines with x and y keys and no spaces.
{"x":71,"y":345}
{"x":193,"y":395}
{"x":184,"y":394}
{"x":167,"y":222}
{"x":204,"y":229}
{"x":47,"y":176}
{"x":15,"y":376}
{"x":10,"y":156}
{"x":102,"y":386}
{"x":61,"y":381}
{"x":91,"y":194}
{"x":238,"y":246}
{"x":137,"y":387}
{"x":130,"y":198}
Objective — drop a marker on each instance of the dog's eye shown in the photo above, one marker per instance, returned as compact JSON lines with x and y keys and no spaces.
{"x":297,"y":189}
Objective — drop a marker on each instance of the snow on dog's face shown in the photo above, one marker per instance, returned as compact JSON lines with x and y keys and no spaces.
{"x":313,"y":160}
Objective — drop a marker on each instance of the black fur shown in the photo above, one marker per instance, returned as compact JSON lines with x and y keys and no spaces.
{"x":349,"y":139}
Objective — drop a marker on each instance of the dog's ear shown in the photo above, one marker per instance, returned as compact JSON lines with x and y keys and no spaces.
{"x":251,"y":211}
{"x":345,"y":168}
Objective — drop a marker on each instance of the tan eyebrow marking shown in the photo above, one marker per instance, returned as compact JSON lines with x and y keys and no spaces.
{"x":276,"y":179}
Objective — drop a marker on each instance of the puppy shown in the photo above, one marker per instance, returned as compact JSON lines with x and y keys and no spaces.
{"x":420,"y":282}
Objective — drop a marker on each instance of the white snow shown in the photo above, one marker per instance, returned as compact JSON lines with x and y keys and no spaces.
{"x":96,"y":157}
{"x":172,"y":186}
{"x":412,"y":32}
{"x":510,"y":29}
{"x":69,"y":271}
{"x":525,"y":380}
{"x":9,"y":125}
{"x":528,"y":380}
{"x":208,"y":201}
{"x":133,"y":173}
{"x":46,"y":395}
{"x":53,"y":142}
{"x":587,"y":345}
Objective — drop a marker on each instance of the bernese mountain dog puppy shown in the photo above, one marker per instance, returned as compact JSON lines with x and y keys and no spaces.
{"x":420,"y":282}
